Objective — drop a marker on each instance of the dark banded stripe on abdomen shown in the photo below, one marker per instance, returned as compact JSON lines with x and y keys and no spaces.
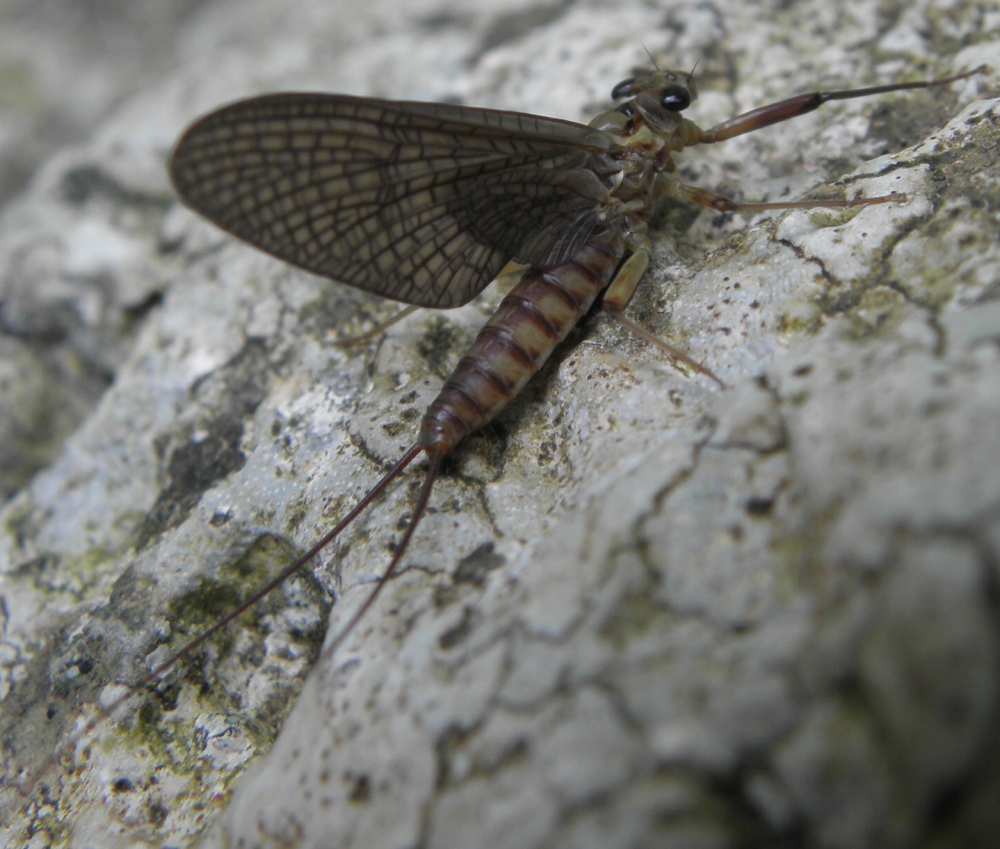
{"x":532,"y":319}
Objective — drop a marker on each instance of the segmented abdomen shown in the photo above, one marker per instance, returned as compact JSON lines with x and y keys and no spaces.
{"x":531,"y":320}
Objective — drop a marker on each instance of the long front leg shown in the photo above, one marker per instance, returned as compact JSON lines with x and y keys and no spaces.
{"x":801,"y":104}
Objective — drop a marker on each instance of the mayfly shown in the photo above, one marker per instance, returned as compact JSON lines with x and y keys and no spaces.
{"x":425,"y":203}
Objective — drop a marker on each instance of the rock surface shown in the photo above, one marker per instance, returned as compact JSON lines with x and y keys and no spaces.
{"x":643,"y":611}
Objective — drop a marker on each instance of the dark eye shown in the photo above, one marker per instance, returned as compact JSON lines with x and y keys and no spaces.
{"x":675,"y":98}
{"x":623,"y":89}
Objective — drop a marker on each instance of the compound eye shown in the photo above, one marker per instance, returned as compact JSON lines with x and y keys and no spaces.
{"x":624,"y":89}
{"x":675,"y":98}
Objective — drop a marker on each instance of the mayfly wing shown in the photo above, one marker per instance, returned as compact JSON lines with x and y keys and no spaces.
{"x":419,"y":202}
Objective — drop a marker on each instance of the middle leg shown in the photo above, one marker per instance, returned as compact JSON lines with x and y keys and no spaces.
{"x":667,"y":186}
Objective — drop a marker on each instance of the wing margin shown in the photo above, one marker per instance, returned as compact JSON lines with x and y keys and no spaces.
{"x":419,"y":202}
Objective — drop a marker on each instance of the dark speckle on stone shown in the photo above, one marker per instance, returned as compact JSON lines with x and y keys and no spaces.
{"x":474,"y":567}
{"x":758,"y":506}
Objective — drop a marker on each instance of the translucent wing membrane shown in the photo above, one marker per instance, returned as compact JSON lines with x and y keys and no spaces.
{"x":420,"y":202}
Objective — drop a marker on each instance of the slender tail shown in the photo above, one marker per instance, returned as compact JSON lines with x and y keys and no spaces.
{"x":185,"y":651}
{"x":418,"y":514}
{"x":410,"y":455}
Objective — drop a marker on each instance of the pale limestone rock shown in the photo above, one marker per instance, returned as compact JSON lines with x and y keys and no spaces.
{"x":643,"y":611}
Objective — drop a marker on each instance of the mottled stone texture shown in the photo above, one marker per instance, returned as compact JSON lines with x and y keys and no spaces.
{"x":643,"y":612}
